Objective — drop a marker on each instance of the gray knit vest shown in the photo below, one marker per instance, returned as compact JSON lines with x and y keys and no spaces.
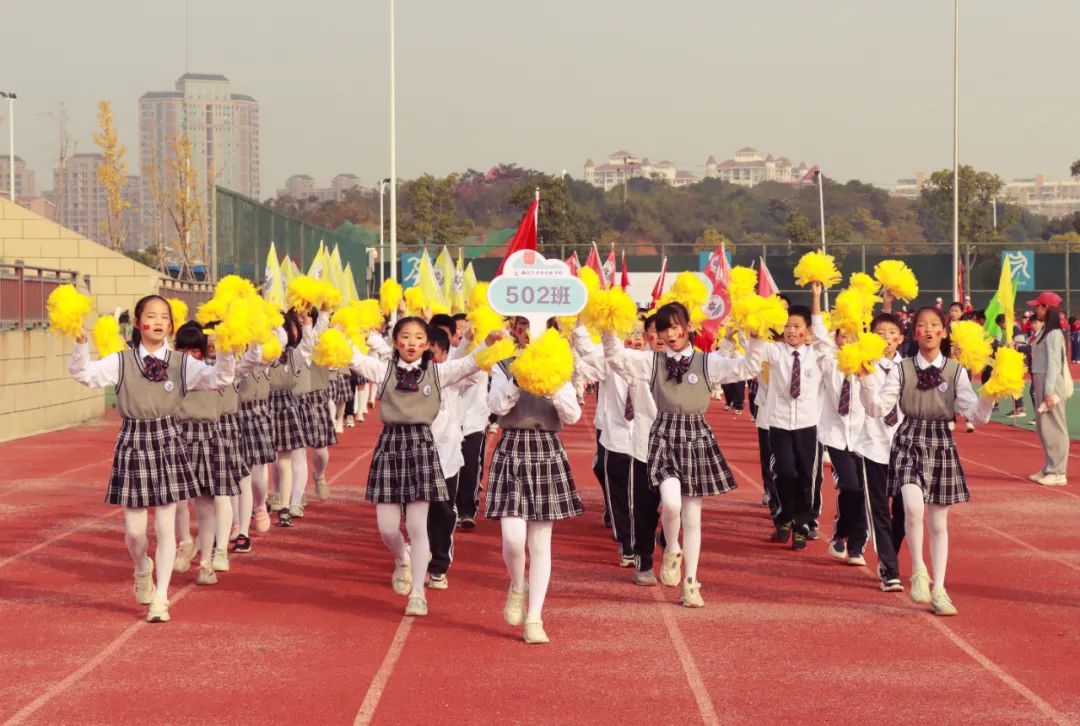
{"x":139,"y":398}
{"x":690,"y":396}
{"x":530,"y":411}
{"x":934,"y":404}
{"x":400,"y":408}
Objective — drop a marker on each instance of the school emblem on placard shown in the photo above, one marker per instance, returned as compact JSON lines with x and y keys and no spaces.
{"x":692,"y":378}
{"x":169,"y":386}
{"x":943,"y":387}
{"x":427,"y":390}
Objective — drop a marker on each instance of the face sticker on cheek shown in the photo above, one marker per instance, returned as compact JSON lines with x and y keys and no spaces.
{"x":146,"y":326}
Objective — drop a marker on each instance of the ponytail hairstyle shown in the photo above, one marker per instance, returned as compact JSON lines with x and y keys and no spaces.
{"x":190,"y":336}
{"x":136,"y":336}
{"x":946,"y":342}
{"x":293,"y":328}
{"x":427,"y":355}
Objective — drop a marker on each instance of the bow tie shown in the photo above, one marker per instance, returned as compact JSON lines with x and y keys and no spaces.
{"x":409,"y":380}
{"x":155,"y":369}
{"x":677,"y":367}
{"x":929,"y":377}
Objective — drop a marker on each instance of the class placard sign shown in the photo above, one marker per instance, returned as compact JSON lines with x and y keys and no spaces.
{"x":532,"y":286}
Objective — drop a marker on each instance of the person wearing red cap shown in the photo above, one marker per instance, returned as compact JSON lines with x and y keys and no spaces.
{"x":1051,"y":387}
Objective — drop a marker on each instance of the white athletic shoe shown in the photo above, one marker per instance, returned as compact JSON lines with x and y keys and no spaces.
{"x":144,"y":584}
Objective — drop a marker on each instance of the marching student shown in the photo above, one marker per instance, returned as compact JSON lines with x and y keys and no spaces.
{"x":405,"y":468}
{"x":794,"y":409}
{"x":339,"y":392}
{"x":842,"y":421}
{"x":257,"y":449}
{"x":474,"y":414}
{"x":685,"y":461}
{"x":924,"y":467}
{"x":873,"y":445}
{"x":323,"y":434}
{"x":530,"y":486}
{"x":151,"y":467}
{"x":644,"y":497}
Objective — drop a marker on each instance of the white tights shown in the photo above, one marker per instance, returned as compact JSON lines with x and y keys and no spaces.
{"x":292,"y":474}
{"x":252,"y":494}
{"x":183,"y":522}
{"x":678,"y":510}
{"x":138,"y":543}
{"x":418,"y":550}
{"x":516,"y":532}
{"x":215,"y":520}
{"x":937,"y":521}
{"x":320,"y":459}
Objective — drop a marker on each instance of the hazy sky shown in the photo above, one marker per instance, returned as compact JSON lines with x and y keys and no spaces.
{"x":862,"y":87}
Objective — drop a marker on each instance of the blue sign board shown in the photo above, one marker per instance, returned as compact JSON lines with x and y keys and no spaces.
{"x":410,"y":268}
{"x":1022,"y":266}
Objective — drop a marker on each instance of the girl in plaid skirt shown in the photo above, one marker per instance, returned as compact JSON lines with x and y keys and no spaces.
{"x":257,"y":448}
{"x":924,"y":468}
{"x":405,"y":467}
{"x":151,"y":467}
{"x":685,"y":462}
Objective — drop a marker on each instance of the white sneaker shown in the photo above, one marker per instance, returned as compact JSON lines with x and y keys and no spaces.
{"x":671,"y":570}
{"x":401,"y":580}
{"x":920,"y":586}
{"x":339,"y":428}
{"x":351,"y":422}
{"x":417,"y":605}
{"x":534,"y":631}
{"x":514,"y":610}
{"x":220,"y":560}
{"x":1037,"y":476}
{"x":296,"y":511}
{"x":322,"y":490}
{"x":206,"y":576}
{"x":159,"y":610}
{"x":144,"y":584}
{"x":1053,"y":480}
{"x":184,"y":554}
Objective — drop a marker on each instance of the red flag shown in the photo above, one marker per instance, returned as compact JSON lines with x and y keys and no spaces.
{"x":593,"y":261}
{"x":608,"y":277}
{"x":525,"y":237}
{"x":625,"y":281}
{"x":658,"y":288}
{"x":717,"y":308}
{"x":717,"y":267}
{"x":765,"y":285}
{"x":573,"y":263}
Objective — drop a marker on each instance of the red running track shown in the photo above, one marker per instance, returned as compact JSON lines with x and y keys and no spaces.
{"x":305,"y":629}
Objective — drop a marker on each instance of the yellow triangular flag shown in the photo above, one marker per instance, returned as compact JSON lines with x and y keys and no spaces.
{"x":427,"y":282}
{"x":469,"y":281}
{"x":350,"y":284}
{"x":317,"y":271}
{"x":444,"y":275}
{"x":337,"y":273}
{"x":457,"y":287}
{"x":273,"y":289}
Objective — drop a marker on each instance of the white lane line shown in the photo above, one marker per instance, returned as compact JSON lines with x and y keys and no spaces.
{"x":382,"y":676}
{"x":686,"y":659}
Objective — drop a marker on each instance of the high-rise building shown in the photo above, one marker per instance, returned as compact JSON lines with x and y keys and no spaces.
{"x":24,"y":178}
{"x":223,"y":128}
{"x":79,"y":196}
{"x":302,"y":187}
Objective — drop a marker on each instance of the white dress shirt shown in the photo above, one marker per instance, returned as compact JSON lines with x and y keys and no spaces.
{"x":875,"y":440}
{"x":198,"y":376}
{"x":786,"y":412}
{"x":504,"y":395}
{"x":880,"y":394}
{"x":839,"y":432}
{"x":473,"y":408}
{"x":637,"y":365}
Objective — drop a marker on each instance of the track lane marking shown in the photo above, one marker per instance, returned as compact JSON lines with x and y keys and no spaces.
{"x":378,"y":683}
{"x":686,"y":660}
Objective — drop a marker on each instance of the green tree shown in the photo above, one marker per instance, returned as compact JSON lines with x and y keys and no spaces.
{"x":562,"y":225}
{"x":798,"y":231}
{"x":710,"y":238}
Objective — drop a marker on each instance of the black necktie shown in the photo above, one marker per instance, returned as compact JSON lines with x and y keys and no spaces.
{"x":677,"y":366}
{"x":796,"y":376}
{"x":893,"y":416}
{"x":408,"y":379}
{"x":155,"y":369}
{"x":845,"y":398}
{"x":628,"y":410}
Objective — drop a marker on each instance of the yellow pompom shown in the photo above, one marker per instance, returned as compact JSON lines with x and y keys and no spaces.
{"x":389,"y":296}
{"x":271,"y":350}
{"x":415,"y":302}
{"x":566,"y":325}
{"x":589,"y":277}
{"x":483,"y":321}
{"x":545,"y":365}
{"x":437,"y":308}
{"x":1007,"y":378}
{"x":332,"y":349}
{"x":329,"y":296}
{"x":898,"y":279}
{"x":68,"y":309}
{"x":817,"y":266}
{"x":231,"y":287}
{"x":106,"y":335}
{"x":478,"y":297}
{"x":758,"y":316}
{"x":743,"y":282}
{"x":971,"y":344}
{"x":487,"y":358}
{"x":360,"y":315}
{"x":238,"y":329}
{"x":610,"y":310}
{"x":271,"y":317}
{"x":865,"y":284}
{"x":852,"y":312}
{"x":860,"y":354}
{"x":690,"y":290}
{"x":212,"y":310}
{"x":179,"y":310}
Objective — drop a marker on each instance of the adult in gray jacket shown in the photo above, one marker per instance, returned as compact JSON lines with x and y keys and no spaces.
{"x":1048,"y":392}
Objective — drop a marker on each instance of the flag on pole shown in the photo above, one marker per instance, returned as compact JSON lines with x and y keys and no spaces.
{"x":273,"y":289}
{"x":574,"y":264}
{"x":336,"y":270}
{"x":658,"y":288}
{"x":766,"y":285}
{"x":426,"y":281}
{"x":525,"y":236}
{"x":608,"y":276}
{"x":318,"y":264}
{"x":1002,"y":303}
{"x":444,"y":274}
{"x":350,"y":293}
{"x":470,"y":281}
{"x":625,"y":281}
{"x":717,"y":267}
{"x":593,"y":261}
{"x":288,"y":270}
{"x":457,"y":285}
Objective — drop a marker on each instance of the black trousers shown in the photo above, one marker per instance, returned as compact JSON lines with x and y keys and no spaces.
{"x":734,"y":394}
{"x":471,"y":475}
{"x":598,"y":470}
{"x":768,"y":481}
{"x":350,"y":404}
{"x":850,"y":500}
{"x":819,"y":481}
{"x":645,"y":514}
{"x":441,"y":521}
{"x":617,"y":492}
{"x":795,"y":456}
{"x":888,"y":530}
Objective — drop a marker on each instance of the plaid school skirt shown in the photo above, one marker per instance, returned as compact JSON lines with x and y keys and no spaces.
{"x":339,"y":390}
{"x":151,"y":466}
{"x":530,"y":478}
{"x":405,"y":467}
{"x":317,"y":421}
{"x":286,"y":428}
{"x":683,"y":446}
{"x":924,"y":454}
{"x":204,"y":447}
{"x":255,"y":442}
{"x":229,"y":447}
